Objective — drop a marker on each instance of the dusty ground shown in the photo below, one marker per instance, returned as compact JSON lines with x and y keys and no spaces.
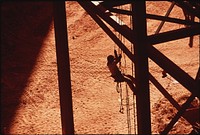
{"x":29,"y":87}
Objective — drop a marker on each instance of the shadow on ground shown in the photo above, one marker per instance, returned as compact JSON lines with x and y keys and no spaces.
{"x":24,"y":25}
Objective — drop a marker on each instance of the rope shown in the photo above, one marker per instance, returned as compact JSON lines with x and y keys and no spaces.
{"x":127,"y":96}
{"x":128,"y":111}
{"x":121,"y":110}
{"x":119,"y":84}
{"x":134,"y":115}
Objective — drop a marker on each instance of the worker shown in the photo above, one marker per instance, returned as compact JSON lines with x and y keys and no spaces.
{"x":116,"y":73}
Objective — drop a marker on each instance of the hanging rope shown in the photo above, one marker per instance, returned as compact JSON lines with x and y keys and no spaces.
{"x":119,"y":89}
{"x":124,"y":70}
{"x":121,"y":110}
{"x":128,"y":111}
{"x":119,"y":85}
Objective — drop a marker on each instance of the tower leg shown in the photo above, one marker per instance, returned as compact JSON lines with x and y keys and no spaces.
{"x":141,"y":67}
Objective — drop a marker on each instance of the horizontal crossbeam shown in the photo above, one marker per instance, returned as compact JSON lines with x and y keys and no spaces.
{"x":174,"y":34}
{"x":156,"y":17}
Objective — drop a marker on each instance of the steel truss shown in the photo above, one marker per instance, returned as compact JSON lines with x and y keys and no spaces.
{"x":101,"y":11}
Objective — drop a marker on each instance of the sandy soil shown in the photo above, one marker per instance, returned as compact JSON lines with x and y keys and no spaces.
{"x":29,"y":86}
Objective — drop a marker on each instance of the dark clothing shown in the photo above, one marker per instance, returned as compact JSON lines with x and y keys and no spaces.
{"x":117,"y":75}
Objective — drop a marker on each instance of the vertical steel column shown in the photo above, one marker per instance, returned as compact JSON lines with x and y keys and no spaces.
{"x":141,"y":67}
{"x":62,"y":53}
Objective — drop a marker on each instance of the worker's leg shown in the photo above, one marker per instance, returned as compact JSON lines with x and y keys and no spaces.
{"x":130,"y":77}
{"x":130,"y":84}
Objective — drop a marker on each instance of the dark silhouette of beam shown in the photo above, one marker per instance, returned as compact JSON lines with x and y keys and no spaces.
{"x":180,"y":75}
{"x":156,"y":17}
{"x":168,"y":96}
{"x":153,"y":39}
{"x":183,"y":108}
{"x":166,"y":15}
{"x":107,"y":30}
{"x":178,"y":115}
{"x":141,"y":68}
{"x":174,"y":34}
{"x":132,"y":57}
{"x":144,"y":126}
{"x":64,"y":80}
{"x":187,"y":7}
{"x":99,"y":12}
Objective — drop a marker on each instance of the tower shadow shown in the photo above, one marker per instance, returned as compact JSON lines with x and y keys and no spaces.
{"x":24,"y":26}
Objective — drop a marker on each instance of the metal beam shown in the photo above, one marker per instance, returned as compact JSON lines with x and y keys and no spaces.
{"x":182,"y":109}
{"x":166,"y":15}
{"x":164,"y":92}
{"x":141,"y":68}
{"x":180,"y":75}
{"x":144,"y":126}
{"x":108,"y":17}
{"x":168,"y":96}
{"x":64,"y":80}
{"x":156,"y":17}
{"x":171,"y":20}
{"x":132,"y":57}
{"x":126,"y":31}
{"x":108,"y":31}
{"x":187,"y":8}
{"x":178,"y":115}
{"x":174,"y":34}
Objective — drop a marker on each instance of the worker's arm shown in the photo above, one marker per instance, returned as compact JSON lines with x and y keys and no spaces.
{"x":117,"y":58}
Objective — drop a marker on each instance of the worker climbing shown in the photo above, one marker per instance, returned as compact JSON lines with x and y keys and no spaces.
{"x":116,"y":73}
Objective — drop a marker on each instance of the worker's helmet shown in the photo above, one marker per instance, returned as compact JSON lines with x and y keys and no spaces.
{"x":110,"y":58}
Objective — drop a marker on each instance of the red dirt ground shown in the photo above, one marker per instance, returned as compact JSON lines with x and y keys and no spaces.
{"x":29,"y":86}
